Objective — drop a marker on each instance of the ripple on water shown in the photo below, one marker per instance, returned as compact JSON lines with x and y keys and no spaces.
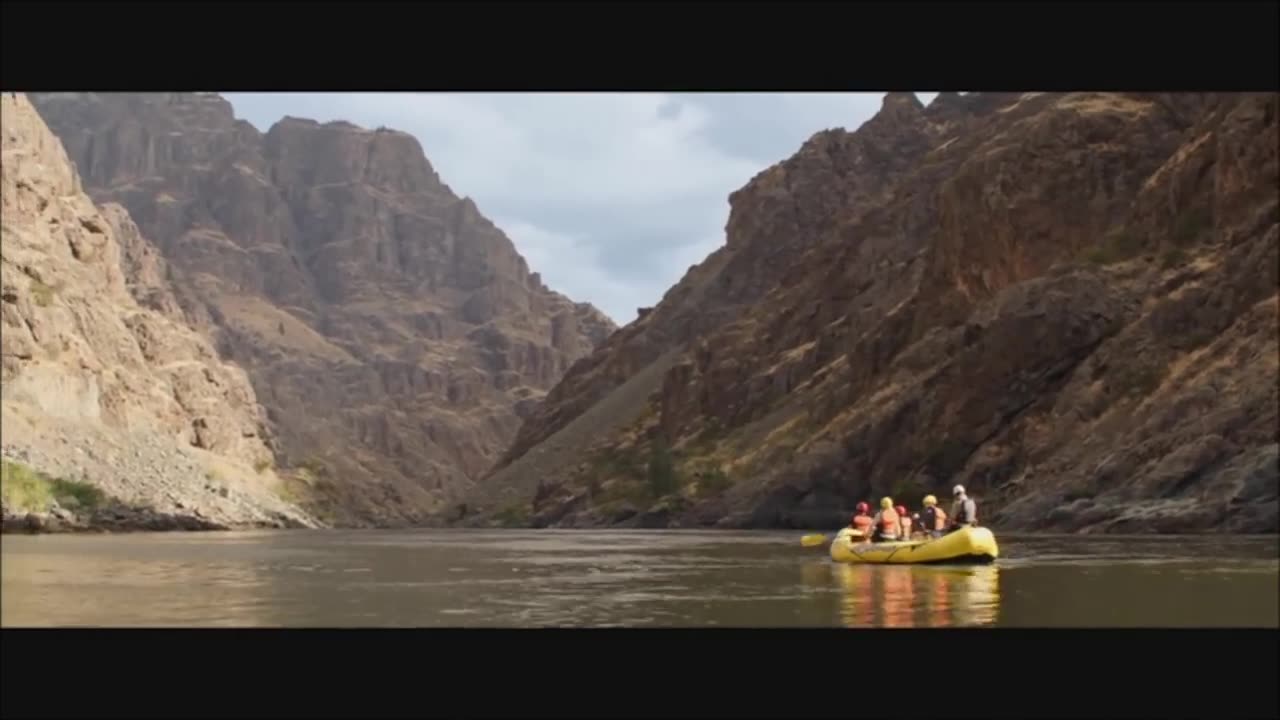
{"x":612,"y":579}
{"x":445,"y":583}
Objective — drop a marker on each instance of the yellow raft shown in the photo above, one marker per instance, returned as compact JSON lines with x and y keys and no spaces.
{"x":971,"y":545}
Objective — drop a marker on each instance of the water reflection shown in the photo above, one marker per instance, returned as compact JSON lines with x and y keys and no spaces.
{"x":903,"y":596}
{"x":600,"y":579}
{"x":141,"y":590}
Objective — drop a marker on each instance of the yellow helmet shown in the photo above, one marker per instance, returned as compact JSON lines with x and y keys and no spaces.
{"x":886,"y":503}
{"x":930,"y":501}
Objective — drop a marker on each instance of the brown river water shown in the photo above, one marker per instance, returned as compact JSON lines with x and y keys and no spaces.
{"x":468,"y":578}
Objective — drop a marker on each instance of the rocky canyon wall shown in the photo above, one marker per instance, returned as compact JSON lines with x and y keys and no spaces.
{"x":116,"y":413}
{"x":392,"y":333}
{"x":1066,"y":302}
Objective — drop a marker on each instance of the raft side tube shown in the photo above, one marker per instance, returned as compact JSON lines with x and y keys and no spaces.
{"x":968,"y":546}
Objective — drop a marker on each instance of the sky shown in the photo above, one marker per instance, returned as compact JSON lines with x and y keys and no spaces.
{"x":610,"y":196}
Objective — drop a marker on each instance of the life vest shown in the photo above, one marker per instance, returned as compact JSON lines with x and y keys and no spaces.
{"x":966,"y":512}
{"x":862,"y":523}
{"x":890,"y":525}
{"x":939,"y":519}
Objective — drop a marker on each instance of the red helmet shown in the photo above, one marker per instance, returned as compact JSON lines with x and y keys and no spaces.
{"x":863,"y":507}
{"x":901,"y":510}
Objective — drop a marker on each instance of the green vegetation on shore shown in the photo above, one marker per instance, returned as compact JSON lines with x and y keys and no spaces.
{"x":26,"y":489}
{"x":656,"y":475}
{"x":513,"y":515}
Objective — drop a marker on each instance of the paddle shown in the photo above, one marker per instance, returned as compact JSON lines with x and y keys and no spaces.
{"x":813,"y":540}
{"x":817,"y":539}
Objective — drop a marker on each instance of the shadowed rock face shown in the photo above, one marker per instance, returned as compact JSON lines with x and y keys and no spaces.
{"x":1065,"y":302}
{"x":391,"y":331}
{"x":103,"y":382}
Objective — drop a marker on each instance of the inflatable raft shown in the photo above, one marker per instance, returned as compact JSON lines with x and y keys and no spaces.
{"x":962,"y":547}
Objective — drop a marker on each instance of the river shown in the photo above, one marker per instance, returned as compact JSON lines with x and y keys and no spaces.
{"x":622,"y":578}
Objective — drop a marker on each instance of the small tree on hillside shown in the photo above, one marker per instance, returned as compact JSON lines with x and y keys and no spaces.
{"x":661,"y":471}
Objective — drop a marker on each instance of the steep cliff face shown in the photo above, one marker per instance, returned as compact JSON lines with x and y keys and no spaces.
{"x":774,"y":219}
{"x":104,"y":388}
{"x":1065,"y":302}
{"x":391,"y":331}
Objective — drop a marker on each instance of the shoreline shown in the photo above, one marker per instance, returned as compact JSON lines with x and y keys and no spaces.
{"x":143,"y":520}
{"x":122,"y":519}
{"x":45,"y":493}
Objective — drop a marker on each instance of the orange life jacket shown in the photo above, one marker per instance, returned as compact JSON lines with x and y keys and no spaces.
{"x":934,"y":516}
{"x":939,"y":519}
{"x":889,"y":523}
{"x":862,"y":523}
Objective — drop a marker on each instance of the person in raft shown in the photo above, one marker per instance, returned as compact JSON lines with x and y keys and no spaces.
{"x":933,"y":519}
{"x":887,"y":525}
{"x":964,"y":511}
{"x":861,"y":521}
{"x":905,"y":520}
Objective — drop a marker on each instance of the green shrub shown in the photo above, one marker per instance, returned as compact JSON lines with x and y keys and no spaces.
{"x":611,"y":463}
{"x":900,"y":485}
{"x":42,"y":293}
{"x":1125,"y":243}
{"x":1117,"y":246}
{"x":661,"y":471}
{"x":1172,"y":258}
{"x":74,"y":494}
{"x":27,"y":489}
{"x":315,"y":467}
{"x":513,"y":515}
{"x":1191,"y":225}
{"x":713,"y":481}
{"x":261,"y":466}
{"x":1097,"y":256}
{"x":949,"y":457}
{"x":288,"y":491}
{"x":1139,"y":381}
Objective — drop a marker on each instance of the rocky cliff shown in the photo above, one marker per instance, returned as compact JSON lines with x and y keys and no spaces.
{"x":115,"y":413}
{"x":393,"y":334}
{"x":1066,"y":302}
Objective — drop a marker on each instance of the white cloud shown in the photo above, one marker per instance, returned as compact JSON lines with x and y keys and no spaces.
{"x":611,"y":196}
{"x":570,"y":265}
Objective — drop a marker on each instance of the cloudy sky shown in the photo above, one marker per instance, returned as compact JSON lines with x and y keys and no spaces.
{"x":611,"y":196}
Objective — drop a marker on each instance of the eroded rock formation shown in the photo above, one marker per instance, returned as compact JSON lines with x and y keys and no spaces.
{"x":391,"y":331}
{"x":104,"y":386}
{"x":1066,"y":302}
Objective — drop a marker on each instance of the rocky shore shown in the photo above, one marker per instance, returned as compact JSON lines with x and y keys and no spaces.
{"x":142,"y":487}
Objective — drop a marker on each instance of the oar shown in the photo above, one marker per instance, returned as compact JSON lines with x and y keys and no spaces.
{"x":819,"y":539}
{"x":813,"y":540}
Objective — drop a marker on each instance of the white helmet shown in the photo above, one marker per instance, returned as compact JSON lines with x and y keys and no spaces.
{"x":957,"y":490}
